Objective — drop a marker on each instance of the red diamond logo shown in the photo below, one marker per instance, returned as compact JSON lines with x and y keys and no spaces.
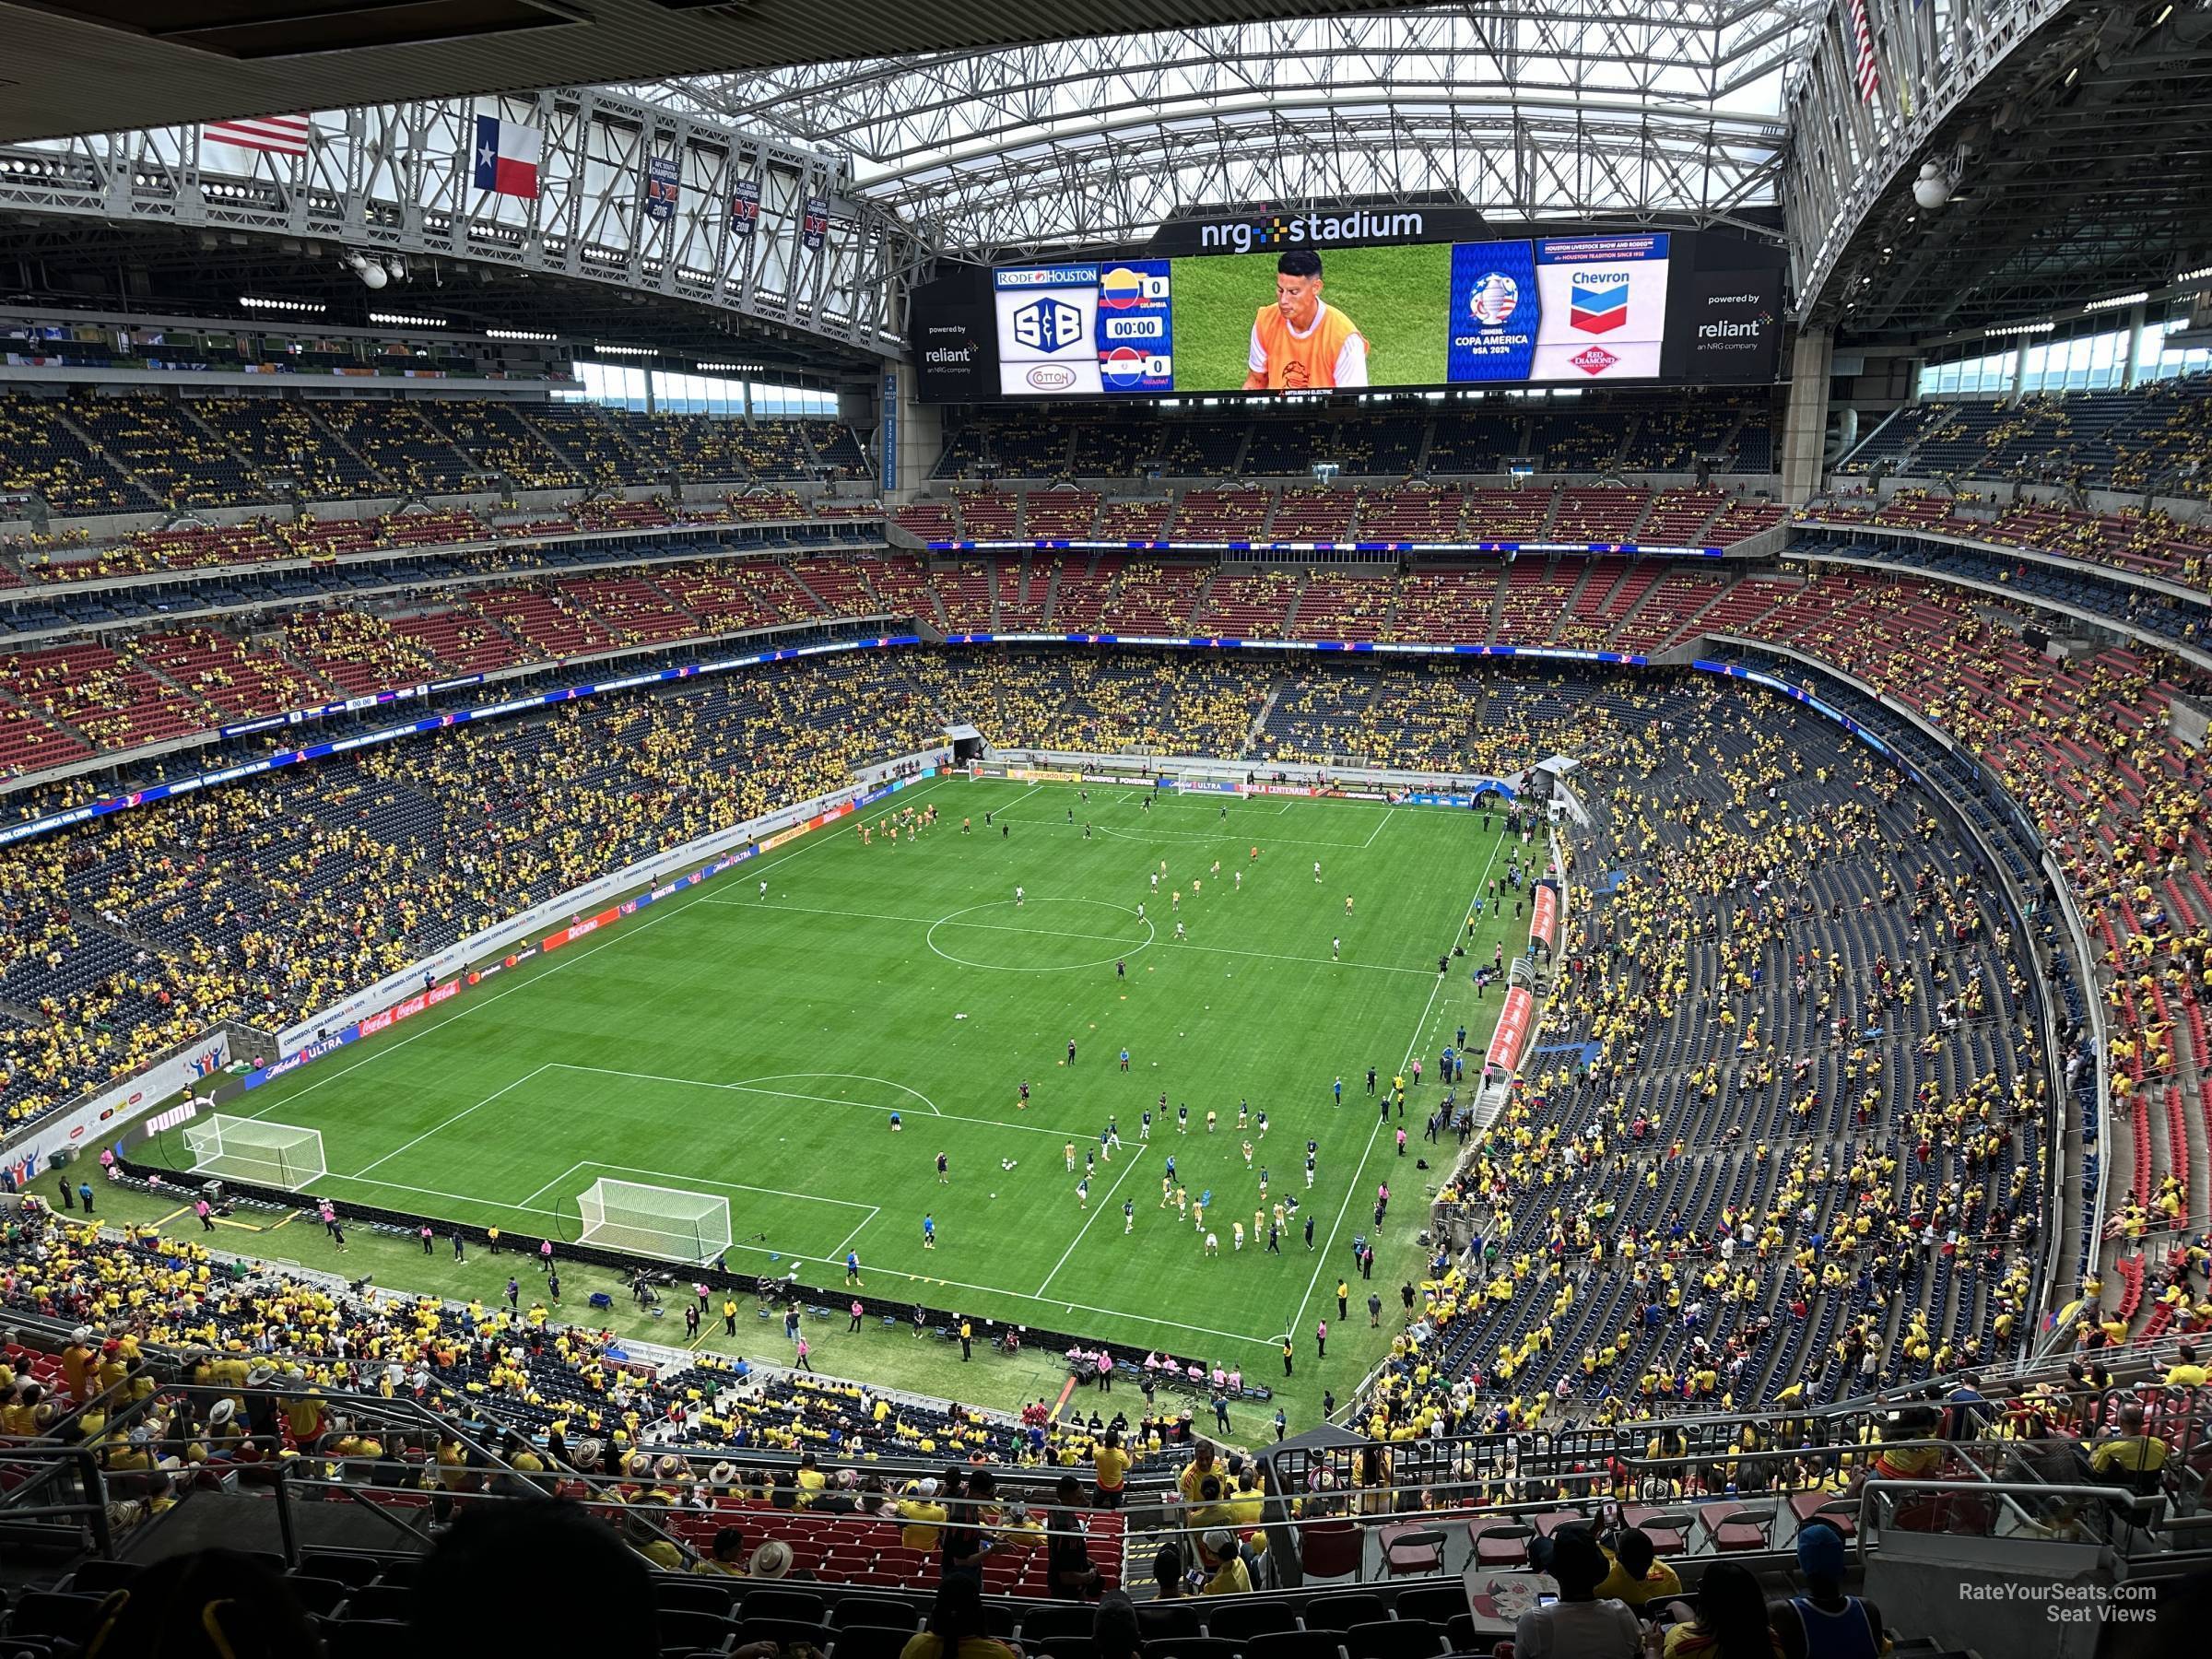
{"x":1596,"y":361}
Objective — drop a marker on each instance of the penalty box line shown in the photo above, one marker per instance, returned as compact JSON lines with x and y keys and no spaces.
{"x":1153,"y":1320}
{"x":787,"y":1094}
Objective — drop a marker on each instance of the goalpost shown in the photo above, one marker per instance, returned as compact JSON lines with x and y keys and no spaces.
{"x":276,"y":1155}
{"x":666,"y":1222}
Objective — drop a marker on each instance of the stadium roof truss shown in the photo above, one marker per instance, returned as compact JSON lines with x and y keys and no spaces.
{"x":1589,"y":108}
{"x":388,"y":179}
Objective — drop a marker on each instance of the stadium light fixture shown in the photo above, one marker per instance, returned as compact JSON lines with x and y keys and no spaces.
{"x":627,"y":350}
{"x":2007,"y":329}
{"x":520,"y":334}
{"x":2114,"y":301}
{"x":367,"y":269}
{"x":405,"y":320}
{"x":1933,"y":188}
{"x":265,"y":302}
{"x":2199,"y":275}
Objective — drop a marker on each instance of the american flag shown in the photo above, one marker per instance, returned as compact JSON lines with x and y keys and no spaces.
{"x":270,"y":134}
{"x":1866,"y":70}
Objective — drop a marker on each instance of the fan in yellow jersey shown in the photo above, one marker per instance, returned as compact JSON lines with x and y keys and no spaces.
{"x":1303,"y":343}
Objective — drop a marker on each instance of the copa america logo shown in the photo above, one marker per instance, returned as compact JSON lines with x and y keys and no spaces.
{"x":1494,"y":299}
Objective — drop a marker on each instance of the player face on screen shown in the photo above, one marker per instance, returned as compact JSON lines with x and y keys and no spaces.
{"x":1298,"y":297}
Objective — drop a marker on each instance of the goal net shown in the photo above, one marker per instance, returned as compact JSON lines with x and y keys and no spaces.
{"x":276,"y":1155}
{"x":660,"y":1221}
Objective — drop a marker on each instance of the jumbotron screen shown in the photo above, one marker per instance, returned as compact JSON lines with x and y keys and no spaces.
{"x":1648,"y":307}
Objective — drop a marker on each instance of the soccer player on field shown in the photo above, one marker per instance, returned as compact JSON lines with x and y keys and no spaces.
{"x":1262,"y":1123}
{"x":1317,"y":872}
{"x":1183,"y":1120}
{"x":1068,"y":1152}
{"x":929,"y":1231}
{"x":1083,"y":1193}
{"x":1247,"y":1150}
{"x":1236,"y":1234}
{"x":1128,"y":1217}
{"x":1023,"y":1103}
{"x":1182,"y":1201}
{"x":1213,"y":1245}
{"x":1167,"y":1190}
{"x":944,"y":1171}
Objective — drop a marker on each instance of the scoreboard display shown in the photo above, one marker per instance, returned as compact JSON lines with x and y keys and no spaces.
{"x":1085,"y":330}
{"x":1650,"y":307}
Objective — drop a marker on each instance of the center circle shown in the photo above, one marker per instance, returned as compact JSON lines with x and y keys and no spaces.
{"x":1020,"y":947}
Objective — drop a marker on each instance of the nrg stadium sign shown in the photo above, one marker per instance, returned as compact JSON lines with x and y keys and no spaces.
{"x":1325,"y":224}
{"x":1358,"y":227}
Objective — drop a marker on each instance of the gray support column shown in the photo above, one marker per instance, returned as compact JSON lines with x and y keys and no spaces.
{"x":1805,"y":422}
{"x":907,"y":433}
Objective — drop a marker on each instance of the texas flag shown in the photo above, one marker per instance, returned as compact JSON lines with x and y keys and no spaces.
{"x":506,"y":156}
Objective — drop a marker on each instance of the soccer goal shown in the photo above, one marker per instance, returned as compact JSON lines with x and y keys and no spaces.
{"x":660,"y":1221}
{"x":276,"y":1155}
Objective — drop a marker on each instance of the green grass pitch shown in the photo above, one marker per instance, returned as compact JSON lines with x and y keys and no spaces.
{"x":755,"y":1048}
{"x":1398,"y":296}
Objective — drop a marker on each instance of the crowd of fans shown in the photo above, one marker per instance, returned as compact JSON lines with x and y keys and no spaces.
{"x":86,"y":454}
{"x":1782,"y":1134}
{"x":2152,"y":440}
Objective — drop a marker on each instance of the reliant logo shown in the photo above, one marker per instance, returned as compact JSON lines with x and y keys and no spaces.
{"x":1311,"y":231}
{"x":944,"y":356}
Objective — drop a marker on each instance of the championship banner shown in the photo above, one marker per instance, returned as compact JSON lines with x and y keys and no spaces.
{"x":815,"y":226}
{"x":745,"y":207}
{"x":661,"y":188}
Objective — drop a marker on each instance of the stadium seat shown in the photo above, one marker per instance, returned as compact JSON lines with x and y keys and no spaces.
{"x":1296,"y":1644}
{"x":1393,"y":1639}
{"x":1412,"y":1551}
{"x":1331,"y":1549}
{"x":1498,"y":1544}
{"x":1342,"y":1611}
{"x":64,"y":1618}
{"x":1193,"y":1647}
{"x":1239,"y":1618}
{"x":1165,"y":1621}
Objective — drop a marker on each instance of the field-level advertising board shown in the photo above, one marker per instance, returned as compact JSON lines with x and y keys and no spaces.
{"x":284,"y":1156}
{"x":667,"y":1223}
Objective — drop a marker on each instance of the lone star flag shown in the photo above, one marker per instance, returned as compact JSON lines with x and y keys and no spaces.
{"x":506,"y":156}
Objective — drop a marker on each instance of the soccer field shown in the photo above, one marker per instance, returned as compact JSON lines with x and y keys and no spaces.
{"x":755,"y":1049}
